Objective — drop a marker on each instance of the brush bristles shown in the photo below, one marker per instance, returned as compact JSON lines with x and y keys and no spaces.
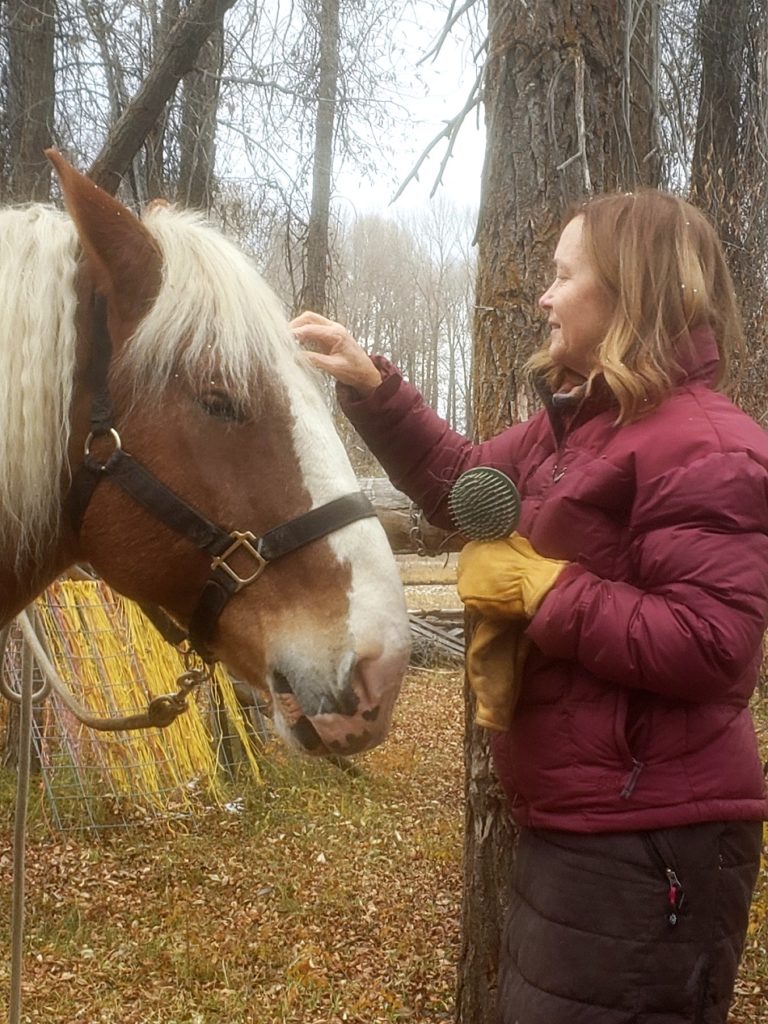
{"x":484,"y":504}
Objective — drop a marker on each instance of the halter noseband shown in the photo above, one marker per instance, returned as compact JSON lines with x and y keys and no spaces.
{"x":136,"y":480}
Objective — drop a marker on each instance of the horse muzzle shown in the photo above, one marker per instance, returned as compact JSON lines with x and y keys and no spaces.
{"x":352,"y":716}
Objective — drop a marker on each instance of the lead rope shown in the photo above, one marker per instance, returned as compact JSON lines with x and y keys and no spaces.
{"x":161,"y":712}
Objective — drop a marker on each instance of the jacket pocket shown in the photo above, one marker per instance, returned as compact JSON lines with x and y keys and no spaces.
{"x":630,"y":736}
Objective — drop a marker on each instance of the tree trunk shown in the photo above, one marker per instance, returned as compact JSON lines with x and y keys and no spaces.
{"x":488,"y":849}
{"x":197,"y":156}
{"x":153,"y":176}
{"x":113,"y":72}
{"x":563,"y":119}
{"x":317,"y":258}
{"x":729,"y":177}
{"x":184,"y":41}
{"x":30,"y":98}
{"x":406,"y":529}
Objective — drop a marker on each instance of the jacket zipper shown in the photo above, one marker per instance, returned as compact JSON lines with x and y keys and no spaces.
{"x":675,"y":891}
{"x":629,"y":786}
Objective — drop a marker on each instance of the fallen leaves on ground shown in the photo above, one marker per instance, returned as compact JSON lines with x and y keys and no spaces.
{"x":325,"y":899}
{"x":321,"y":899}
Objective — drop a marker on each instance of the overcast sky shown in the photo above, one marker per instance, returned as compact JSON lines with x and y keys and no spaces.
{"x":444,"y":85}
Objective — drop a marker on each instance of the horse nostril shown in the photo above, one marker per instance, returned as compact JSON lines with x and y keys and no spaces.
{"x":342,"y":701}
{"x":307,"y":735}
{"x":347,"y":701}
{"x":280,"y":682}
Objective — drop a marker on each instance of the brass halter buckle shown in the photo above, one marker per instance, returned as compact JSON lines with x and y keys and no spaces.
{"x":245,"y":541}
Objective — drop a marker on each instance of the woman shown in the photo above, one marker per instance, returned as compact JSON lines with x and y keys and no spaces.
{"x":639,"y":578}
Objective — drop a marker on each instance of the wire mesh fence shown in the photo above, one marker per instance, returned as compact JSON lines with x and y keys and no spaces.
{"x":114,"y":663}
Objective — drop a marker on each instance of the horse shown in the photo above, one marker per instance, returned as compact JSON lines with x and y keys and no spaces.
{"x":160,"y":425}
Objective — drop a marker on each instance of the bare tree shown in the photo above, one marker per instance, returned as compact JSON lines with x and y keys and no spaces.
{"x":29,"y":29}
{"x":316,"y":264}
{"x":570,"y":108}
{"x":183,"y":44}
{"x":149,"y":168}
{"x":729,"y":175}
{"x":197,"y":131}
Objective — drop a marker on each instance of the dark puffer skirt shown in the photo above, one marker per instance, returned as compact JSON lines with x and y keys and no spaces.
{"x":631,"y":928}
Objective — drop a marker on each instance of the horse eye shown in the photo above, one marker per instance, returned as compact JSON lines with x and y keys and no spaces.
{"x":219,"y":405}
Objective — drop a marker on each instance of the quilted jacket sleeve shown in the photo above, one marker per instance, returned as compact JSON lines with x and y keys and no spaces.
{"x":419,"y":452}
{"x":690,"y":624}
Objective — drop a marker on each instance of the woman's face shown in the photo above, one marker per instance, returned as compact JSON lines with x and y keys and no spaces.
{"x":578,"y":307}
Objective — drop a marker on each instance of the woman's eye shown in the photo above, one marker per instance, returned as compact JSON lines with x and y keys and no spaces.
{"x":219,"y":405}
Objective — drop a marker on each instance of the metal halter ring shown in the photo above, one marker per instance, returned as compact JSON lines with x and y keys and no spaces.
{"x":113,"y":434}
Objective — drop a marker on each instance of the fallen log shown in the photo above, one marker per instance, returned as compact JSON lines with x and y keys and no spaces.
{"x":408,"y":532}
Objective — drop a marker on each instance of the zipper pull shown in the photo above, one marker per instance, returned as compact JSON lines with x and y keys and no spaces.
{"x":675,"y":897}
{"x":629,"y":786}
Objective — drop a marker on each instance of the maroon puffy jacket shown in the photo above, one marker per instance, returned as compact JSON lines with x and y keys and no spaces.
{"x":634,"y":707}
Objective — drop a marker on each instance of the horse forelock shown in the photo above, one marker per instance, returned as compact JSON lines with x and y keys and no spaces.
{"x":214,"y":315}
{"x":216,"y":318}
{"x":38,"y":302}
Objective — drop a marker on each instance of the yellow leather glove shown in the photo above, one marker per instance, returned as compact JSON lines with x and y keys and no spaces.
{"x":496,"y":653}
{"x":506,"y":578}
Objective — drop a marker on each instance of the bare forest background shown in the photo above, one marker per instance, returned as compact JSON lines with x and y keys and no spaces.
{"x":243,"y":111}
{"x":251,"y":111}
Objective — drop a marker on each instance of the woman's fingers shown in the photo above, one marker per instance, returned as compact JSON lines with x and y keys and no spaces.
{"x":326,"y":338}
{"x":312,"y":329}
{"x":336,"y":351}
{"x":309,"y":317}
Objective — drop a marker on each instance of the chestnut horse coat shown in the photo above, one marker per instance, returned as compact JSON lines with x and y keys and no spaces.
{"x":634,"y":705}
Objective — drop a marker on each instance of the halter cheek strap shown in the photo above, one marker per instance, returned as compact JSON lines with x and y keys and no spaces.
{"x":144,"y":487}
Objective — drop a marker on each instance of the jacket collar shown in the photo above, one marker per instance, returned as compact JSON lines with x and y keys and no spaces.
{"x":698,"y":359}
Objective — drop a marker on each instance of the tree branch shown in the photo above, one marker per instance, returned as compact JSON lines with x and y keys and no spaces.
{"x":450,"y":132}
{"x":451,"y":18}
{"x":178,"y":57}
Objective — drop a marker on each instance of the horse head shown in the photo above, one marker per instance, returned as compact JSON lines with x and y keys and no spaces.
{"x":209,"y":396}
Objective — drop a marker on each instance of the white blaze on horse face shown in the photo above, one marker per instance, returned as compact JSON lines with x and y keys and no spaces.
{"x":345,"y":674}
{"x":369,"y":672}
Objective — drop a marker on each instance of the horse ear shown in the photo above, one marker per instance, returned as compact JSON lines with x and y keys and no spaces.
{"x":122,"y":255}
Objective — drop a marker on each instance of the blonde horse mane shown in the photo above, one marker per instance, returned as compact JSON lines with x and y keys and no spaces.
{"x":214,"y":315}
{"x":38,"y":264}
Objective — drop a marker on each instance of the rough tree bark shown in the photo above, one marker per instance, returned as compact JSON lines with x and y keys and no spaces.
{"x":151,"y":179}
{"x":569,"y":110}
{"x":729,"y":173}
{"x":197,"y":142}
{"x":314,"y":290}
{"x":184,"y":42}
{"x":30,"y":98}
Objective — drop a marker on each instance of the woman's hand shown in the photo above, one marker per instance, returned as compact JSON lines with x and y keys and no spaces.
{"x":505,"y":578}
{"x":339,"y":354}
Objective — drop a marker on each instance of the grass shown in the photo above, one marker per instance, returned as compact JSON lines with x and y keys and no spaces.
{"x":326,"y":899}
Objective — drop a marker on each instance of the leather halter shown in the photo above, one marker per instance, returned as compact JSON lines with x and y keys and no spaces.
{"x":136,"y":480}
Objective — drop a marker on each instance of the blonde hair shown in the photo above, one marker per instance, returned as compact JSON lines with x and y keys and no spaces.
{"x":38,"y":300}
{"x":661,"y":262}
